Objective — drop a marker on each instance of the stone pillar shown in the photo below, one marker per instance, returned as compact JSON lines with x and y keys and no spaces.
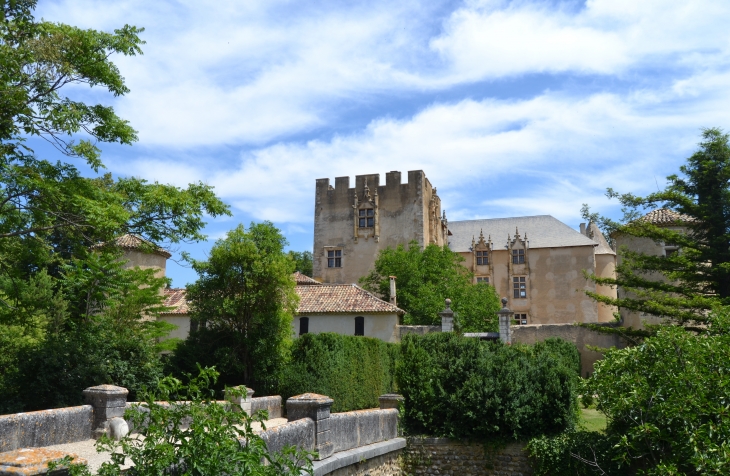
{"x":390,"y":400}
{"x":447,"y":318}
{"x":109,"y":403}
{"x":240,"y":396}
{"x":505,"y":321}
{"x":316,"y":407}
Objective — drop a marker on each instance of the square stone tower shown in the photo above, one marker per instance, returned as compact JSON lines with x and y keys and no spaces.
{"x":352,"y":225}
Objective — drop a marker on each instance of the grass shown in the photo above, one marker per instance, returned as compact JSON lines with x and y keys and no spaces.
{"x":592,"y":419}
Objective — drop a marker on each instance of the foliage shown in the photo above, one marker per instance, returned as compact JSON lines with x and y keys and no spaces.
{"x":245,"y":288}
{"x":666,"y":403}
{"x":302,"y":262}
{"x":57,"y":288}
{"x":354,"y":371}
{"x":54,"y":373}
{"x":196,"y":436}
{"x":461,"y":387}
{"x":686,"y":285}
{"x":574,"y":453}
{"x":425,"y":279}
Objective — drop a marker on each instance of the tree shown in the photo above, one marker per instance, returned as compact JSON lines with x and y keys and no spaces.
{"x":684,"y":286}
{"x":425,"y":278}
{"x":57,"y":290}
{"x":245,"y":293}
{"x":302,"y":262}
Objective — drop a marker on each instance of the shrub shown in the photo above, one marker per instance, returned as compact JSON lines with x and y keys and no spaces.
{"x":465,"y":388}
{"x":353,"y":371}
{"x":578,"y":453}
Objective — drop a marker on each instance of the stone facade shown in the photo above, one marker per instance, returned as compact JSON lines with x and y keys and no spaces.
{"x":536,"y":262}
{"x":445,"y":457}
{"x":351,"y":225}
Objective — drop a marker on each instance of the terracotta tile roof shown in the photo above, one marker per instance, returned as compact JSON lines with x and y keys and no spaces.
{"x":175,"y":298}
{"x":341,"y":298}
{"x":134,"y":242}
{"x":303,"y":279}
{"x":665,"y":216}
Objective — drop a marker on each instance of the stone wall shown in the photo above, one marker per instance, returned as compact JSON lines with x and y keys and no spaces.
{"x":419,"y":330}
{"x":45,"y":427}
{"x":445,"y":457}
{"x":580,"y":336}
{"x":362,"y":427}
{"x":272,"y":404}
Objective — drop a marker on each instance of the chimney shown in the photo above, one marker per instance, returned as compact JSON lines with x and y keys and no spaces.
{"x":392,"y":291}
{"x":582,"y":228}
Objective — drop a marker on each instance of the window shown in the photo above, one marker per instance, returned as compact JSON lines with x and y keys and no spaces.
{"x":482,"y":257}
{"x":520,"y":319}
{"x":519,"y":286}
{"x":334,"y":258}
{"x":518,"y":256}
{"x":483,"y":279}
{"x":366,"y":218}
{"x":303,"y":325}
{"x":359,"y":326}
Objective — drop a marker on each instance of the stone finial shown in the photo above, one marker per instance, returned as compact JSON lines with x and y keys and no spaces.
{"x":240,"y":396}
{"x":109,"y":403}
{"x":505,"y":320}
{"x":390,"y":400}
{"x":447,"y":317}
{"x":317,"y":407}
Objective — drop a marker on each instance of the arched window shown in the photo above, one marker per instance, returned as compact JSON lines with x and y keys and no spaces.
{"x":359,"y":326}
{"x":303,"y":325}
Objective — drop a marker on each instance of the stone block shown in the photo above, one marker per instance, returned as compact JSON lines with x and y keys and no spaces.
{"x":242,"y":397}
{"x":308,"y":405}
{"x":106,"y":396}
{"x":344,"y":430}
{"x":390,"y":400}
{"x":109,"y":402}
{"x":324,"y":450}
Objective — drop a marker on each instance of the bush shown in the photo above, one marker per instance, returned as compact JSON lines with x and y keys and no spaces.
{"x":353,"y":371}
{"x":578,"y":453}
{"x":215,"y":348}
{"x":55,"y":372}
{"x":465,"y":388}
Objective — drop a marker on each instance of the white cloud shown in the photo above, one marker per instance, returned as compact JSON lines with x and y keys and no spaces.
{"x":230,"y":72}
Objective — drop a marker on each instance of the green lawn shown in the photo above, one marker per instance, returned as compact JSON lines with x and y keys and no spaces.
{"x":592,"y":419}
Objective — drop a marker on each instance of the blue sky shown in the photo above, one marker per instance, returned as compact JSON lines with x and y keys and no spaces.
{"x":510,"y":107}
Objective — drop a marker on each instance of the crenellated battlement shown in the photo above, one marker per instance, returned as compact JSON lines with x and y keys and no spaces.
{"x":393,"y":185}
{"x":358,"y":222}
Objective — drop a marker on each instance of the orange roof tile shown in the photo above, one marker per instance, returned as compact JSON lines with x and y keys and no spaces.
{"x":341,"y":298}
{"x":134,"y":242}
{"x":665,"y":216}
{"x":303,"y":279}
{"x":176,"y":299}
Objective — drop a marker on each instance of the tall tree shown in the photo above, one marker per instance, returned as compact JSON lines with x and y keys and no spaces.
{"x":56,"y":291}
{"x":425,"y":278}
{"x":245,"y":295}
{"x":302,"y":261}
{"x":683,"y":286}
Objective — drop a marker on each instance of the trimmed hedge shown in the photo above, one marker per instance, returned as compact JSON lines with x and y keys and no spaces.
{"x":353,"y":371}
{"x":461,"y":387}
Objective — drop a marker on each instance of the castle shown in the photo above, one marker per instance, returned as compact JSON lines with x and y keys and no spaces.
{"x":537,"y":262}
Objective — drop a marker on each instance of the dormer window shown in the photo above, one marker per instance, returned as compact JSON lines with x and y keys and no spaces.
{"x":482,"y":258}
{"x":518,"y":256}
{"x":366,"y":218}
